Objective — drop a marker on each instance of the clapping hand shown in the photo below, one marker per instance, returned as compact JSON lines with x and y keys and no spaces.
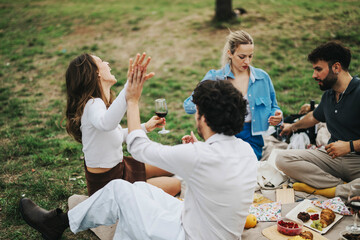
{"x":137,"y":77}
{"x":138,"y":62}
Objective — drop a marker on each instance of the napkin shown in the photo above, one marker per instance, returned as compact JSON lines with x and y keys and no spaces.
{"x":335,"y":204}
{"x":266,"y":212}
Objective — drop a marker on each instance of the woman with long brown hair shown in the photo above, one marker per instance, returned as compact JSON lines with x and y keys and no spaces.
{"x":93,"y":115}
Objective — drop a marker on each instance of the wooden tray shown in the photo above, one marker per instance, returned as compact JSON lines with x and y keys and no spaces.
{"x":273,"y":234}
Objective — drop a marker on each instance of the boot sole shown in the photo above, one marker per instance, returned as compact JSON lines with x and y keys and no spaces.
{"x":30,"y":224}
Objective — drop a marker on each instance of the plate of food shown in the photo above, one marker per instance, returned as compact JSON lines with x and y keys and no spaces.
{"x":318,"y":219}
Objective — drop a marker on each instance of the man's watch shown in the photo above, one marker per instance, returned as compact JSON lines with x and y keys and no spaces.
{"x":352,"y":146}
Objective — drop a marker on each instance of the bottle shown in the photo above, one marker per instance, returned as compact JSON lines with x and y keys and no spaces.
{"x":312,"y":134}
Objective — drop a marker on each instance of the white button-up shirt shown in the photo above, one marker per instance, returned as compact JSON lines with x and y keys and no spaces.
{"x":220,"y":175}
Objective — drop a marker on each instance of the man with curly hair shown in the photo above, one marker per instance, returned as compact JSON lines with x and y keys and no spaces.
{"x":220,"y":174}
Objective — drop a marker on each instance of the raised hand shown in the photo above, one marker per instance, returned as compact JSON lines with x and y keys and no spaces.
{"x":139,"y":62}
{"x":137,"y":77}
{"x":135,"y":84}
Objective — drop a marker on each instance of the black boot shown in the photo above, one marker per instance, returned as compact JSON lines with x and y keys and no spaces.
{"x":51,"y":224}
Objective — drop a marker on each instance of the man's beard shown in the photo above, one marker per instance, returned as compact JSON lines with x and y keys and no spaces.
{"x":328,"y":81}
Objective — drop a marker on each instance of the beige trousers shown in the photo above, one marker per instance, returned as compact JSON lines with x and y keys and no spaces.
{"x":317,"y":169}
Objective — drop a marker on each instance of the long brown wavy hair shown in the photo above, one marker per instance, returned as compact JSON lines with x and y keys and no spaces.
{"x":82,"y":83}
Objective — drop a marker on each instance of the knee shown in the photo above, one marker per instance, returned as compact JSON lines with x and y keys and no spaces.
{"x":116,"y":184}
{"x":281,"y":161}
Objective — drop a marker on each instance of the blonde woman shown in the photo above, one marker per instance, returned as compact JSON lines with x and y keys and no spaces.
{"x":255,"y":85}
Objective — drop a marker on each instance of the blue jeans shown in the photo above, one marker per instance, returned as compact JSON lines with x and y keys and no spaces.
{"x":256,"y":142}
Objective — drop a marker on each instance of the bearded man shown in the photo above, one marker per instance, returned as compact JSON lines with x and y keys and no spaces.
{"x":323,"y":171}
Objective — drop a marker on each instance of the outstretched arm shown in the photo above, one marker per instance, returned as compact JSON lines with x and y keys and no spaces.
{"x":136,"y":79}
{"x":308,"y":121}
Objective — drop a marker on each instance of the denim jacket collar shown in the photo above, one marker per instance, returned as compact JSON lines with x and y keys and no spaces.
{"x":230,"y":74}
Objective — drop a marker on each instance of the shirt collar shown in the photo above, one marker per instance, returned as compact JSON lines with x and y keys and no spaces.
{"x":352,"y":84}
{"x":253,"y":75}
{"x":350,"y":87}
{"x":230,"y":74}
{"x":219,"y":137}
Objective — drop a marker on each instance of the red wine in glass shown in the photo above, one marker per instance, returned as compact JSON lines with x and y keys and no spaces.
{"x":161,"y":110}
{"x":161,"y":114}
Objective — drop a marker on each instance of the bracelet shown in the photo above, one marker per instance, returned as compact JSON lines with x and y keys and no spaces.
{"x":352,"y":146}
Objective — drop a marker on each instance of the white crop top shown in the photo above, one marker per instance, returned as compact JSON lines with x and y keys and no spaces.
{"x":102,"y":135}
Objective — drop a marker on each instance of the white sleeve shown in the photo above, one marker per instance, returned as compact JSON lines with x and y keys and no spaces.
{"x":107,"y":119}
{"x":125,"y":131}
{"x":180,"y":159}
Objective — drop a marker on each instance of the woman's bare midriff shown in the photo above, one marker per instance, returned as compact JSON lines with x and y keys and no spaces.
{"x":98,"y":170}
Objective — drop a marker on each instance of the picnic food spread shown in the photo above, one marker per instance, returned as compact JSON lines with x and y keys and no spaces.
{"x":306,"y":214}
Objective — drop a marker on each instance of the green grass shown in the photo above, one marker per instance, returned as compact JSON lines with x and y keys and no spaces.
{"x":39,"y":38}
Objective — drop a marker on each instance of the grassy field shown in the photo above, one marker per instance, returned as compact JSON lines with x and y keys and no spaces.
{"x":39,"y":38}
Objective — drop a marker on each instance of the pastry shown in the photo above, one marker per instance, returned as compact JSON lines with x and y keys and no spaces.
{"x":306,"y":235}
{"x":327,"y":216}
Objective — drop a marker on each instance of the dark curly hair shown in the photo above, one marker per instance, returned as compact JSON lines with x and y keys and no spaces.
{"x":331,"y":52}
{"x":222,"y":105}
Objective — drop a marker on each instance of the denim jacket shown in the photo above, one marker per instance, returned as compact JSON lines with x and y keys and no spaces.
{"x":261,"y":96}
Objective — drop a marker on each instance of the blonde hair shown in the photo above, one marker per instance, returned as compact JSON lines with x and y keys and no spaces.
{"x":233,"y":40}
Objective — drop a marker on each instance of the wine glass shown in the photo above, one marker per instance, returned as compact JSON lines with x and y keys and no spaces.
{"x":161,"y":110}
{"x":354,"y":204}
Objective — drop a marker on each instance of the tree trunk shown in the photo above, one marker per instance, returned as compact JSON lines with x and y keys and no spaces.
{"x":224,"y":11}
